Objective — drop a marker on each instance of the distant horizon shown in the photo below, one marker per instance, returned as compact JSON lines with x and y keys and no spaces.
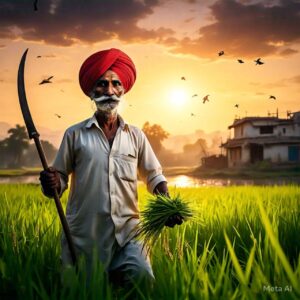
{"x":184,"y":52}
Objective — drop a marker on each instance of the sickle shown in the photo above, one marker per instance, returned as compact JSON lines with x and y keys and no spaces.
{"x":33,"y":134}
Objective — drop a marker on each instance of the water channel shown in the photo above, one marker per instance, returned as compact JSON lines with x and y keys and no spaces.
{"x":179,"y":181}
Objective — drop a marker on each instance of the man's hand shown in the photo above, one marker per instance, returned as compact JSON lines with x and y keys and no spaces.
{"x":176,"y":219}
{"x":162,"y":189}
{"x":50,"y":181}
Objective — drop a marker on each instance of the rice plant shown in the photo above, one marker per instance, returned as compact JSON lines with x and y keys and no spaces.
{"x":243,"y":244}
{"x":156,"y":215}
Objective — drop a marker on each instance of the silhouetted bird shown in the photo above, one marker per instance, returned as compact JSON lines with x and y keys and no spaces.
{"x":195,"y":95}
{"x":272,"y":97}
{"x":192,"y":115}
{"x":205,"y":98}
{"x":39,"y":56}
{"x":62,"y":90}
{"x":258,"y":62}
{"x":237,"y":106}
{"x":182,"y":78}
{"x":46,"y":80}
{"x":58,"y":116}
{"x":35,"y":5}
{"x":240,"y":61}
{"x":221,"y":53}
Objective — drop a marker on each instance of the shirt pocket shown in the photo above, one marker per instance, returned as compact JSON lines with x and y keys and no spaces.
{"x":126,"y":167}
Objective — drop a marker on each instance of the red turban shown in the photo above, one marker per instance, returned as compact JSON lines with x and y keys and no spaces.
{"x":98,"y":63}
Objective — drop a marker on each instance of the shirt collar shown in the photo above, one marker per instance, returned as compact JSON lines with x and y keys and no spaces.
{"x":93,"y":121}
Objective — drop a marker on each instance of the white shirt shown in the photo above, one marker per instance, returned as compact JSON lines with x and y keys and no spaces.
{"x":103,"y":200}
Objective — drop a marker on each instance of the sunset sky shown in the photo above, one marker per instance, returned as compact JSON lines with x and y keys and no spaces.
{"x":167,"y":40}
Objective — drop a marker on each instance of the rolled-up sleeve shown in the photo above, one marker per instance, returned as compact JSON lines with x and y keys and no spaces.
{"x":64,"y":160}
{"x":149,"y":167}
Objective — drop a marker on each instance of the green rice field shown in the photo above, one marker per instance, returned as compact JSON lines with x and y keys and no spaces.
{"x":244,"y":243}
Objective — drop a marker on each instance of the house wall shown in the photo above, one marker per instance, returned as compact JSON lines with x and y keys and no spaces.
{"x":276,"y":153}
{"x":248,"y":130}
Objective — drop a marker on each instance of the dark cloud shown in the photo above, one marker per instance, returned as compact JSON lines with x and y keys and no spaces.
{"x":65,"y":22}
{"x":246,"y":30}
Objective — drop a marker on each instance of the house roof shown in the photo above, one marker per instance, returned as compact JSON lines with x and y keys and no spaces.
{"x":272,"y":121}
{"x":270,"y":140}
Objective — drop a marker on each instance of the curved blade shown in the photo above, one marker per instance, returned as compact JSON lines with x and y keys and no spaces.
{"x":23,"y":100}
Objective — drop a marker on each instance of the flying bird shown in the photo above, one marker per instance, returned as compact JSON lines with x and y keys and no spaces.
{"x":205,"y":98}
{"x":39,"y":56}
{"x":192,"y":115}
{"x":259,"y":62}
{"x":35,"y":5}
{"x":240,"y":61}
{"x":46,"y":80}
{"x":182,"y":78}
{"x":59,"y":116}
{"x":272,"y":97}
{"x":221,"y":53}
{"x":237,"y":106}
{"x":195,"y":95}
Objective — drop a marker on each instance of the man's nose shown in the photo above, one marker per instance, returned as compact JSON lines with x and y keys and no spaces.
{"x":110,"y":89}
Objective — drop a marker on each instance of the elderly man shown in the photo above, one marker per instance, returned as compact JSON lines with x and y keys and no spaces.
{"x":103,"y":154}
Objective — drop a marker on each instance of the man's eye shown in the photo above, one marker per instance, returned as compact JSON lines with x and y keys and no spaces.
{"x":102,"y":83}
{"x":116,"y":83}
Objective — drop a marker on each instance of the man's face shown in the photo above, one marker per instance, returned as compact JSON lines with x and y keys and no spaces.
{"x":108,"y":92}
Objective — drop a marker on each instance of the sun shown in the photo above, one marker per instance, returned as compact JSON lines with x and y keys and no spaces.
{"x":178,"y":97}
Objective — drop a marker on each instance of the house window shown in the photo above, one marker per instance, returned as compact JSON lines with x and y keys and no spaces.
{"x":283,"y":130}
{"x":265,"y":129}
{"x":294,"y":153}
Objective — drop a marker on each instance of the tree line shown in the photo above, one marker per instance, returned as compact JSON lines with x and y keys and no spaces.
{"x":16,"y":151}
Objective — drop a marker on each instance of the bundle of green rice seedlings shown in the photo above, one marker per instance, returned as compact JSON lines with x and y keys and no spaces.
{"x":156,"y":213}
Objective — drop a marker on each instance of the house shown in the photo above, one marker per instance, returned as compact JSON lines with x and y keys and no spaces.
{"x":264,"y":138}
{"x":214,"y":161}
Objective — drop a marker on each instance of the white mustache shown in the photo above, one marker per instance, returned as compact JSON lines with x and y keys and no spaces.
{"x":105,"y":97}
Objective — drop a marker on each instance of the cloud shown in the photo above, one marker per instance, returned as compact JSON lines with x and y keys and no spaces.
{"x":246,"y":30}
{"x":288,"y":51}
{"x":65,"y":22}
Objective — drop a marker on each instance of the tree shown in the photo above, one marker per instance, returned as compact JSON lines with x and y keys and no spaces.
{"x":199,"y":147}
{"x":31,"y":157}
{"x":15,"y":145}
{"x":155,"y":134}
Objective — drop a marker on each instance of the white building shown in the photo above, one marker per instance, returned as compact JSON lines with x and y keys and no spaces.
{"x":264,"y":138}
